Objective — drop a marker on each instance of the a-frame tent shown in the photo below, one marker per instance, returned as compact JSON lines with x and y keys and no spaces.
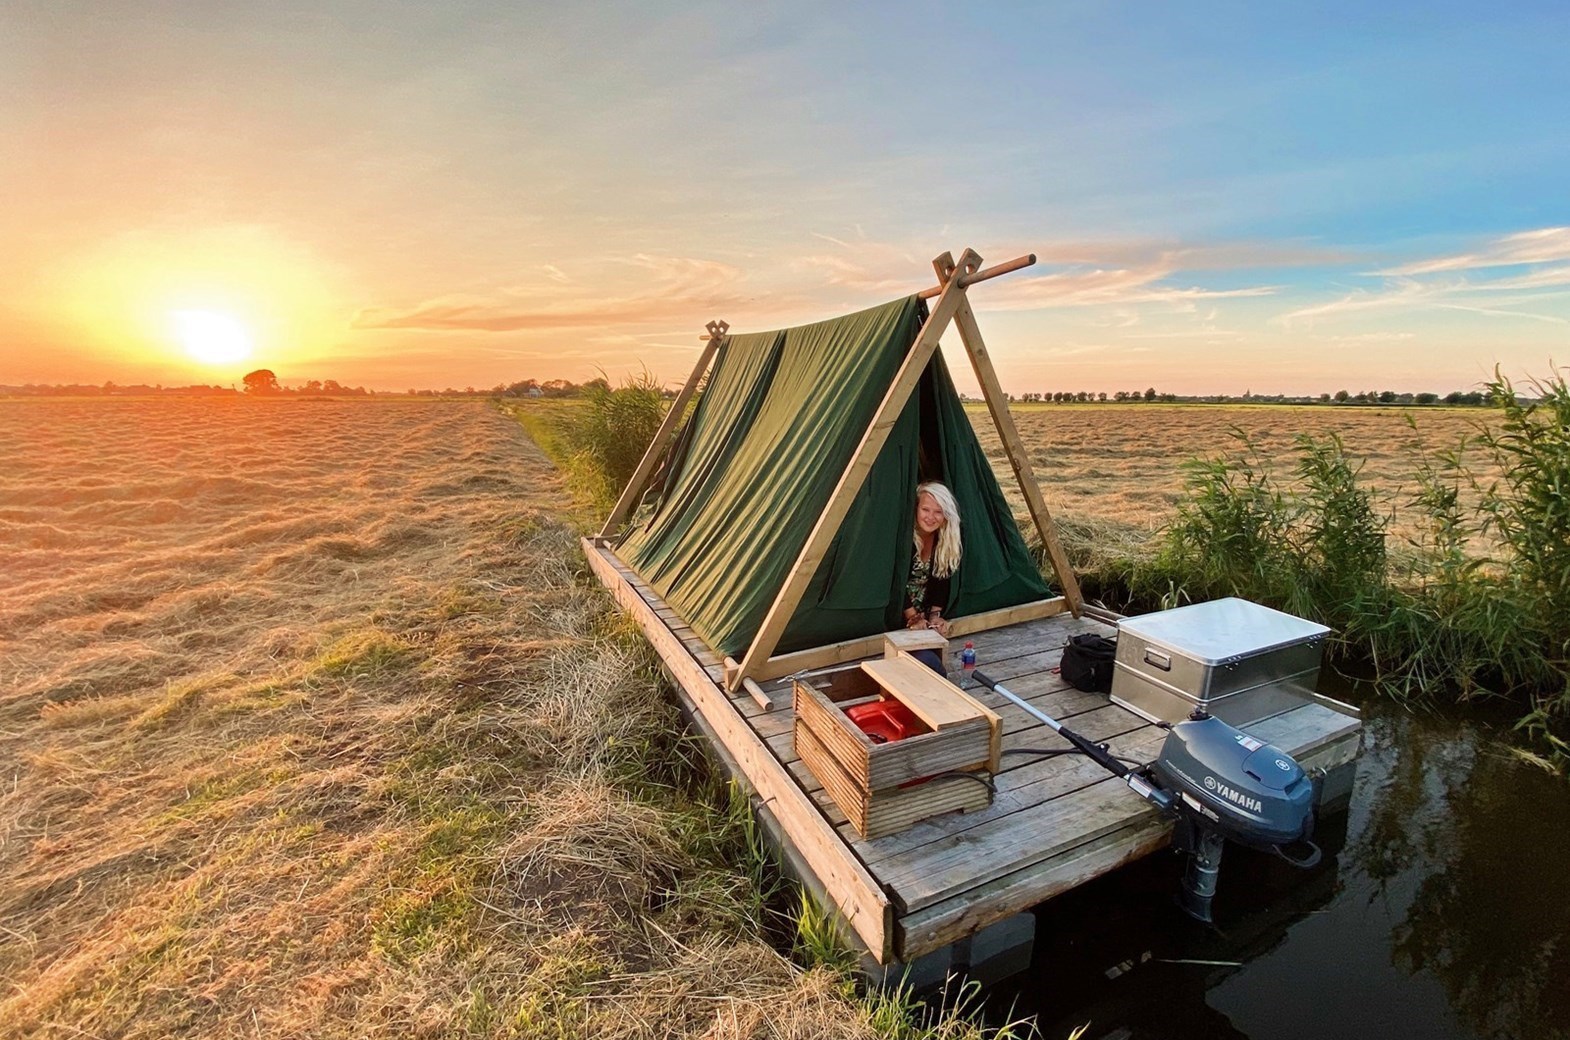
{"x":776,"y":522}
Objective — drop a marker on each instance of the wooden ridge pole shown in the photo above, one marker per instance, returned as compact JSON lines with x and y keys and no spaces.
{"x":640,"y":476}
{"x":997,"y":404}
{"x":1005,"y":267}
{"x":779,"y":615}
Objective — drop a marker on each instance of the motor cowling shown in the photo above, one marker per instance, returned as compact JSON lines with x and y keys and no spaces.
{"x":1250,"y":791}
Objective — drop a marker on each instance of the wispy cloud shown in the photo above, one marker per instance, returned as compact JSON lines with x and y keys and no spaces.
{"x":1373,"y":337}
{"x":1471,"y":282}
{"x":1110,"y":287}
{"x":673,"y":289}
{"x":1074,"y":273}
{"x":1544,"y":245}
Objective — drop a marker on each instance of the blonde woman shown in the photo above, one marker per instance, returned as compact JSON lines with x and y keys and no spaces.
{"x":936,"y":556}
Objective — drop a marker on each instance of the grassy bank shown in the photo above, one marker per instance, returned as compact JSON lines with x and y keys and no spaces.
{"x":337,"y":738}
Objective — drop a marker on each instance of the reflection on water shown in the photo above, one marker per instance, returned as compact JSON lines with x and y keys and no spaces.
{"x":1441,"y":910}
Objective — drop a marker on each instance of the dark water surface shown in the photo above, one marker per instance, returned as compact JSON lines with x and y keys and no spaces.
{"x":1441,"y":910}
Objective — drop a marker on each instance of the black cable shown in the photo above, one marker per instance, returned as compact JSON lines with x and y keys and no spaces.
{"x":984,"y":779}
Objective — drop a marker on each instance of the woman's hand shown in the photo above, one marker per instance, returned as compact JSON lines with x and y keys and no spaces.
{"x":915,"y":622}
{"x":938,"y":625}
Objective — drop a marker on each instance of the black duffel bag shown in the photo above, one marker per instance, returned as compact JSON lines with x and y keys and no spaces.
{"x":1087,"y":662}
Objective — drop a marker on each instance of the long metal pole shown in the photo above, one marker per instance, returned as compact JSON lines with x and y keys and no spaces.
{"x":1097,"y":753}
{"x":999,"y":688}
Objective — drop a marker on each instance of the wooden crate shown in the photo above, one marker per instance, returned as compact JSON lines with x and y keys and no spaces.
{"x":883,"y":788}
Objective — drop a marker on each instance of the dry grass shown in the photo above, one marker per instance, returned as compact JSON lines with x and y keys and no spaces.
{"x":313,"y":727}
{"x":1121,"y":464}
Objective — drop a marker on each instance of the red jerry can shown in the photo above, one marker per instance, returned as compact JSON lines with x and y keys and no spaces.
{"x":885,"y":721}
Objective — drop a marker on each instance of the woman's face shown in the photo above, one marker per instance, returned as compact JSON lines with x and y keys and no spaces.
{"x":929,"y":515}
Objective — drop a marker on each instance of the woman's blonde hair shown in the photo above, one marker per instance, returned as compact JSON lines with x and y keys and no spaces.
{"x":945,"y":555}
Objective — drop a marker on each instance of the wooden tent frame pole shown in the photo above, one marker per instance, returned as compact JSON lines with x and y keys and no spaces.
{"x":1007,"y":266}
{"x":855,"y":474}
{"x":640,"y":476}
{"x":1003,"y":419}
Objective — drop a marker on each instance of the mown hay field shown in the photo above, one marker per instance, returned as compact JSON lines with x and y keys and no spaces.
{"x":314,"y":725}
{"x":1122,"y":463}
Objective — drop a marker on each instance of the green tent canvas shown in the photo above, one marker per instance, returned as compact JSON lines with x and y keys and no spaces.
{"x":747,"y":478}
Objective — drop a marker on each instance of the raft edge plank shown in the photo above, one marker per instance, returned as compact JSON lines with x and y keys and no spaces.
{"x":862,"y":902}
{"x":953,"y":919}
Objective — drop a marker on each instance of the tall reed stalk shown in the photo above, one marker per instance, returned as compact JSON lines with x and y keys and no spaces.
{"x":1479,"y":602}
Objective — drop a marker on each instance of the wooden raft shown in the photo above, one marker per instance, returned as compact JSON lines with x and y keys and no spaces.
{"x":1053,"y":824}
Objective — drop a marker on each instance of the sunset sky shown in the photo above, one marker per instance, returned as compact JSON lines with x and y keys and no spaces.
{"x":1223,"y":197}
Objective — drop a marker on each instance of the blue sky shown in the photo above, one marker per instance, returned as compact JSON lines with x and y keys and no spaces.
{"x":1223,"y":196}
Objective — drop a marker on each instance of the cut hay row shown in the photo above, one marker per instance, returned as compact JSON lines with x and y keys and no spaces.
{"x":313,"y":726}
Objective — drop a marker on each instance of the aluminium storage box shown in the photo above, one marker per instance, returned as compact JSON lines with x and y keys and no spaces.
{"x":1240,"y":661}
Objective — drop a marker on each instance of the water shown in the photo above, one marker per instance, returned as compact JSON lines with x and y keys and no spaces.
{"x":1440,"y":911}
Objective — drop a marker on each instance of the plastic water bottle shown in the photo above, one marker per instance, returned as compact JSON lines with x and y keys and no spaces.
{"x":967,"y":659}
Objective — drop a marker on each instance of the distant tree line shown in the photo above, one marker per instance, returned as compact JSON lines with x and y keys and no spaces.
{"x":1150,"y":395}
{"x":263,"y":382}
{"x":1094,"y":397}
{"x":115,"y":390}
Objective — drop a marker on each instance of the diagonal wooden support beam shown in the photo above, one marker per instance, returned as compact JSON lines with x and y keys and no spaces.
{"x":997,"y":404}
{"x":651,"y":458}
{"x":855,"y":474}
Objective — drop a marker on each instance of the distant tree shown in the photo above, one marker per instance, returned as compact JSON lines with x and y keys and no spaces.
{"x":1101,"y":395}
{"x":1426,"y":398}
{"x":1150,"y":394}
{"x":1342,"y":397}
{"x":1324,"y":398}
{"x":332,"y":386}
{"x":1387,"y":396}
{"x":262,"y":381}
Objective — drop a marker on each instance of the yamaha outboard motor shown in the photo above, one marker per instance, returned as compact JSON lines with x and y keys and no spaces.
{"x":1221,"y":783}
{"x":1229,"y":785}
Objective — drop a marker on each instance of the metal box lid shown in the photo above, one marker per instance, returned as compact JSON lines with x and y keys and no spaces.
{"x":1222,"y":630}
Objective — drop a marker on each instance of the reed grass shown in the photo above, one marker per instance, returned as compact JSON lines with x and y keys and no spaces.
{"x":1472,"y":600}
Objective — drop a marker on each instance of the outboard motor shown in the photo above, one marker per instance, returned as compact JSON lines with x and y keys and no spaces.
{"x":1221,"y":784}
{"x":1229,"y":785}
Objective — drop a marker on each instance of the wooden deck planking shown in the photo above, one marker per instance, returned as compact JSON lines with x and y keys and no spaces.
{"x":1147,"y":832}
{"x":1055,"y":822}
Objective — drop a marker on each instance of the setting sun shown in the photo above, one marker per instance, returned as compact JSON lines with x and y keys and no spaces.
{"x":212,"y":337}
